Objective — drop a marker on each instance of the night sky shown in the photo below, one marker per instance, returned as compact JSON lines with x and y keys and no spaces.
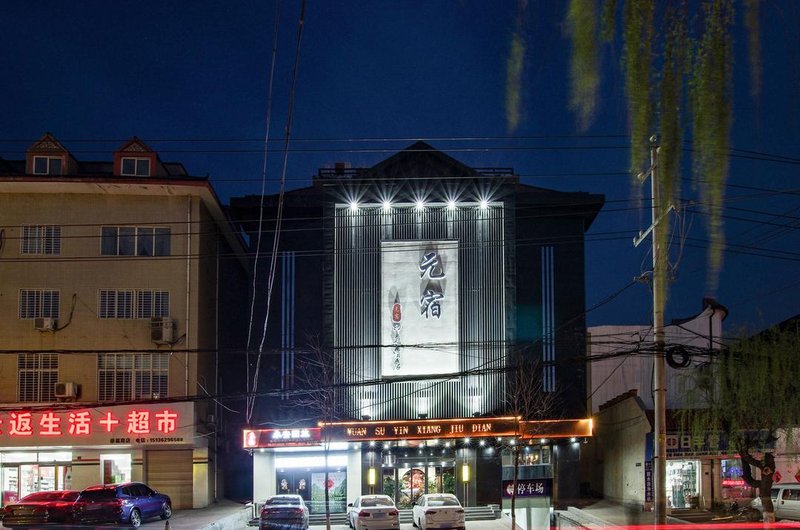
{"x":191,"y":80}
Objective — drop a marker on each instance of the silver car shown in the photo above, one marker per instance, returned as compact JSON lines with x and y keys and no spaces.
{"x":283,"y":512}
{"x":373,"y":512}
{"x":438,"y":510}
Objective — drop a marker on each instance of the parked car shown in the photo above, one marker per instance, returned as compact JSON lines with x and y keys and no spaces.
{"x":42,"y":507}
{"x":373,"y":512}
{"x":785,"y":499}
{"x":438,"y":510}
{"x":129,"y":503}
{"x":284,"y":511}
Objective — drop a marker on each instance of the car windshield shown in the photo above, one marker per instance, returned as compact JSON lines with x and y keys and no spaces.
{"x":283,"y":500}
{"x":98,"y":495}
{"x":40,"y":496}
{"x":442,"y":501}
{"x":377,"y":501}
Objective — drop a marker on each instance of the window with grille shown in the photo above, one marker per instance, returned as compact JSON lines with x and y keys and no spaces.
{"x":132,"y":303}
{"x":38,"y":374}
{"x":40,"y":239}
{"x":36,"y":303}
{"x":127,"y":376}
{"x":134,"y":241}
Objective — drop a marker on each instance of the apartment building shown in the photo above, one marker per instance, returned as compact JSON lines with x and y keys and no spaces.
{"x":112,"y":278}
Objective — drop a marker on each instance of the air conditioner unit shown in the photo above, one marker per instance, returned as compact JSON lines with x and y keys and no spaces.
{"x":65,"y":390}
{"x":44,"y":323}
{"x":162,"y":330}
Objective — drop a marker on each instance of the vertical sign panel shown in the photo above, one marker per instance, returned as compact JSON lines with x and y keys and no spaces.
{"x":419,"y":308}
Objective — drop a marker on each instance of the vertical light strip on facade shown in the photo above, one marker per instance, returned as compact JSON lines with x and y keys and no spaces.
{"x":548,"y":319}
{"x":288,"y":284}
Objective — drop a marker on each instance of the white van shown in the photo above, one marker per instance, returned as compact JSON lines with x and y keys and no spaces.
{"x":785,"y":498}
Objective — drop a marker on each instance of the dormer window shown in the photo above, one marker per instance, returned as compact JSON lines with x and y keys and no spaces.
{"x":135,"y":167}
{"x":47,"y":165}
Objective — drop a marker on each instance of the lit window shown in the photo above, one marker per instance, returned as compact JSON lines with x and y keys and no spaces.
{"x":135,"y":167}
{"x":38,"y":303}
{"x":40,"y":239}
{"x":47,"y":165}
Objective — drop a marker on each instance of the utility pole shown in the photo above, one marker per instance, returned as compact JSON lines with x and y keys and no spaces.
{"x":659,"y":371}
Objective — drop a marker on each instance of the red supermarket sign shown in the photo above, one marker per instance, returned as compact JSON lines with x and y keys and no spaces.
{"x":138,"y":424}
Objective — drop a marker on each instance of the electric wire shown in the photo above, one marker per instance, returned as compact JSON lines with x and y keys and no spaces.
{"x":263,"y":188}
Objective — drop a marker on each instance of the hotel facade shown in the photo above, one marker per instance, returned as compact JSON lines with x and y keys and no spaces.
{"x":417,"y":289}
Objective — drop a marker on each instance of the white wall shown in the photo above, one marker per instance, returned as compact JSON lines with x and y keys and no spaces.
{"x":263,"y":475}
{"x":616,"y":375}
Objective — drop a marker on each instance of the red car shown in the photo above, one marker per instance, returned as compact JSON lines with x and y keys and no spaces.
{"x":41,"y":507}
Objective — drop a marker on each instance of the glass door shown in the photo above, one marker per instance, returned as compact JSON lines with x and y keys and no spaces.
{"x":28,"y":479}
{"x":9,"y":476}
{"x":295,"y":481}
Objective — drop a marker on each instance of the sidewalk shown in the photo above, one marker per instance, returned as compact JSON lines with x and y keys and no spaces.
{"x":223,"y":515}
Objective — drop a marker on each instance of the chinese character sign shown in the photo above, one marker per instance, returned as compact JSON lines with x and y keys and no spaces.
{"x":541,"y":487}
{"x":419,"y":307}
{"x":135,"y":424}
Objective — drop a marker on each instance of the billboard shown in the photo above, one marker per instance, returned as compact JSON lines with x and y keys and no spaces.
{"x":419,"y":308}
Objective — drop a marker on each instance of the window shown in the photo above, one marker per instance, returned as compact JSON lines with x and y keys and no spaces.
{"x":126,"y":376}
{"x":36,"y":303}
{"x":135,"y":167}
{"x":132,"y":303}
{"x":38,"y":374}
{"x":134,"y":241}
{"x":40,"y":239}
{"x":47,"y":165}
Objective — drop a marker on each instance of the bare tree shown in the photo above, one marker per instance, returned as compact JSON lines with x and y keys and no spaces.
{"x":528,"y":401}
{"x":317,"y":393}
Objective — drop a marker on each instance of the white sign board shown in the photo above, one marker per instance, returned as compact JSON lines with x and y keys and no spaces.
{"x":419,"y":308}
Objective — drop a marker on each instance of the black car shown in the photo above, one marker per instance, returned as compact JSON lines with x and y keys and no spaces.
{"x":129,"y":503}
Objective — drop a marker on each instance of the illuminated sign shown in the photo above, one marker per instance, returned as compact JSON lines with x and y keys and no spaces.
{"x":134,"y":424}
{"x":255,"y":438}
{"x":419,"y":308}
{"x":540,"y":487}
{"x":420,"y":430}
{"x":733,"y":483}
{"x":353,"y":431}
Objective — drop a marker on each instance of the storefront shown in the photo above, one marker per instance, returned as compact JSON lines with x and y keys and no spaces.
{"x":45,"y":450}
{"x":701,"y":473}
{"x":404,"y":459}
